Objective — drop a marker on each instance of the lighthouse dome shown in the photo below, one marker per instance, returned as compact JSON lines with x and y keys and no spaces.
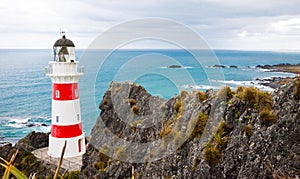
{"x":64,"y":50}
{"x":64,"y":42}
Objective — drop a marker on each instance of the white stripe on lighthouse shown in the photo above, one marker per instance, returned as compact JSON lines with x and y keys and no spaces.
{"x":66,"y":112}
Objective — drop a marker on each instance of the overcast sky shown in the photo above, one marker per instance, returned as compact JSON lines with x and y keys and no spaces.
{"x":224,"y":24}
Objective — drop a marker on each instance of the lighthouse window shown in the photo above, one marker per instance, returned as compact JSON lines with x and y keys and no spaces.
{"x":78,"y":117}
{"x":57,"y":95}
{"x":57,"y":119}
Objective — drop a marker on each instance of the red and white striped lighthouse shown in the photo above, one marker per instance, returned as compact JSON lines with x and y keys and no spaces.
{"x":66,"y":116}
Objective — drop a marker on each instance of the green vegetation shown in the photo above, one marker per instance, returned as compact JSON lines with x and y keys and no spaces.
{"x":249,"y":95}
{"x":105,"y":102}
{"x":255,"y":98}
{"x":267,"y":117}
{"x":201,"y":96}
{"x":134,"y":124}
{"x":132,"y":102}
{"x":238,"y":114}
{"x":103,"y":159}
{"x":10,"y":169}
{"x":248,"y":130}
{"x":213,"y":151}
{"x":297,"y":89}
{"x":178,"y":106}
{"x":212,"y":154}
{"x":166,"y":129}
{"x":29,"y":160}
{"x":72,"y":175}
{"x":225,"y":93}
{"x":135,"y":109}
{"x":197,"y":126}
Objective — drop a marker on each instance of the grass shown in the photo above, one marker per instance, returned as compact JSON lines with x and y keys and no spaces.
{"x":212,"y":154}
{"x":72,"y":175}
{"x":248,"y":130}
{"x":132,"y":102}
{"x":134,"y":124}
{"x":255,"y":98}
{"x":267,"y":117}
{"x":166,"y":129}
{"x":103,"y":159}
{"x":249,"y":95}
{"x":201,"y":96}
{"x":197,"y":126}
{"x":225,"y":93}
{"x":213,"y":150}
{"x":135,"y":109}
{"x":178,"y":106}
{"x":297,"y":88}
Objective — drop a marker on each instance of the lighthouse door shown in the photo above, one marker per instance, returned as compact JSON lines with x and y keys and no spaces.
{"x":79,"y":145}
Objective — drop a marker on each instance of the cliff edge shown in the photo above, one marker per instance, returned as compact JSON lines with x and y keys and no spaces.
{"x":245,"y":133}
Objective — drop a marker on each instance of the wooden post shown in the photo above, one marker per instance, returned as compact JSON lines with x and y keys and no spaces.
{"x":60,"y":160}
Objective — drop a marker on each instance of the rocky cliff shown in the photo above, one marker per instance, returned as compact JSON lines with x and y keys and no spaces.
{"x":245,"y":133}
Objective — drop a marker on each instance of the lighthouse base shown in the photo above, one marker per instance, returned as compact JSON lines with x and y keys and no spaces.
{"x":75,"y":146}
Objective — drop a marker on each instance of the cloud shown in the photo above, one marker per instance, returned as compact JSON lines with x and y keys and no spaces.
{"x":287,"y":27}
{"x":223,"y":24}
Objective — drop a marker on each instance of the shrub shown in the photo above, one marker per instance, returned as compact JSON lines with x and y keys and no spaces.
{"x":297,"y":89}
{"x":238,"y":114}
{"x":267,"y":117}
{"x":29,"y":160}
{"x":201,"y":96}
{"x":72,"y":175}
{"x":197,"y":126}
{"x":212,"y":155}
{"x":240,"y":89}
{"x":165,"y":131}
{"x":178,"y":106}
{"x":135,"y":109}
{"x":264,"y":100}
{"x":132,"y":102}
{"x":249,"y":95}
{"x":225,"y":93}
{"x":183,"y":94}
{"x":248,"y":130}
{"x":134,"y":124}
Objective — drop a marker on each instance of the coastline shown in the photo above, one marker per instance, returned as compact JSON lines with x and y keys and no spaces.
{"x":275,"y":82}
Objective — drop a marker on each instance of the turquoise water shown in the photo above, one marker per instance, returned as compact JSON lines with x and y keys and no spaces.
{"x":25,"y":91}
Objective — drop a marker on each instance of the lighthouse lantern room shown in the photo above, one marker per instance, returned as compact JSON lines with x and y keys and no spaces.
{"x":66,"y":117}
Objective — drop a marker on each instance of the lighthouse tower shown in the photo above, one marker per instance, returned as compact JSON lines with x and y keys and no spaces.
{"x":66,"y":118}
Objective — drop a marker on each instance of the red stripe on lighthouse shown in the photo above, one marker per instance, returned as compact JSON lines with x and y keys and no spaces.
{"x":67,"y":91}
{"x":66,"y":131}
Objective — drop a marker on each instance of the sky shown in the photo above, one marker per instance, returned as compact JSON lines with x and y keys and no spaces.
{"x":223,"y":24}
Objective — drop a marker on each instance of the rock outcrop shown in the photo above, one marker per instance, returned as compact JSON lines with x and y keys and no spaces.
{"x":25,"y":161}
{"x":242,"y":134}
{"x":282,"y":67}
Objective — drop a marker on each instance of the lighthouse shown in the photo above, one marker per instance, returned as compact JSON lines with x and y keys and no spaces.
{"x":66,"y":126}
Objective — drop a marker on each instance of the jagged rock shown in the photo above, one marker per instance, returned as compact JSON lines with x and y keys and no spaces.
{"x":175,"y":66}
{"x":269,"y":152}
{"x":25,"y":161}
{"x":219,"y":66}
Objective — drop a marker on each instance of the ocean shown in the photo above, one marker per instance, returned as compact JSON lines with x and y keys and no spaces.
{"x":25,"y":91}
